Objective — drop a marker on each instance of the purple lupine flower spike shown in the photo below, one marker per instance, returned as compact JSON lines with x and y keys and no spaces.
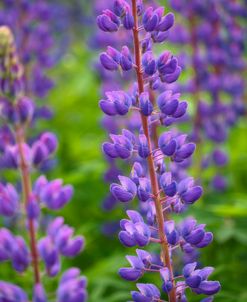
{"x":159,"y":186}
{"x":26,"y":156}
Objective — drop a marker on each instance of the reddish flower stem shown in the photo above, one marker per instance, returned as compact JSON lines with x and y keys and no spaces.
{"x":151,"y":167}
{"x":27,"y":190}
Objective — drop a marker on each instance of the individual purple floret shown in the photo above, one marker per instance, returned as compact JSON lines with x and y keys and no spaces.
{"x":12,"y":293}
{"x":72,"y":287}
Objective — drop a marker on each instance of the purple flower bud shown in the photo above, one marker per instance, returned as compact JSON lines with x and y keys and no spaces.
{"x":167,"y":284}
{"x":39,"y":153}
{"x":39,"y":294}
{"x":168,"y":186}
{"x":181,"y":110}
{"x":184,"y":152}
{"x":33,"y":208}
{"x":159,"y":36}
{"x":128,"y":20}
{"x":20,"y":255}
{"x":171,"y":77}
{"x":145,"y":104}
{"x":144,"y":189}
{"x":134,"y":273}
{"x":167,"y":144}
{"x":135,"y":231}
{"x":9,"y":200}
{"x":148,"y":292}
{"x":54,"y":195}
{"x":25,"y":109}
{"x":125,"y":59}
{"x":7,"y":243}
{"x":50,"y":141}
{"x":108,"y":21}
{"x":49,"y":255}
{"x":149,"y":63}
{"x":11,"y":292}
{"x":143,"y":148}
{"x":151,"y":18}
{"x":110,"y":59}
{"x":166,"y":22}
{"x":171,"y":232}
{"x":72,"y":287}
{"x":118,"y":102}
{"x":124,"y":192}
{"x":188,"y":192}
{"x":119,"y":7}
{"x":167,"y":102}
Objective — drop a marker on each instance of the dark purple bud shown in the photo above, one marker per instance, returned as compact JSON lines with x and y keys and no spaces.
{"x":145,"y":104}
{"x":54,"y":195}
{"x":167,"y":284}
{"x":9,"y":200}
{"x":109,"y":150}
{"x":25,"y":109}
{"x":149,"y":63}
{"x":184,"y":152}
{"x":108,"y":21}
{"x":159,"y":36}
{"x":166,"y":22}
{"x":128,"y":21}
{"x":39,"y":294}
{"x":130,"y":274}
{"x":39,"y":153}
{"x":193,"y":281}
{"x":166,"y":144}
{"x":168,"y":186}
{"x":118,"y":102}
{"x":171,"y":232}
{"x":181,"y":110}
{"x":192,"y":194}
{"x":119,"y":7}
{"x":11,"y":292}
{"x":49,"y":255}
{"x":124,"y":192}
{"x":148,"y":292}
{"x":162,"y":61}
{"x":50,"y":141}
{"x":143,"y":148}
{"x":110,"y":59}
{"x":209,"y":287}
{"x":144,"y":189}
{"x":20,"y":255}
{"x":172,"y":77}
{"x":125,"y":59}
{"x":151,"y":18}
{"x":33,"y":208}
{"x":167,"y":103}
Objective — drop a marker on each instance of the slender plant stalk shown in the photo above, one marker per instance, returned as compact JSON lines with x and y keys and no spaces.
{"x":27,"y":190}
{"x":151,"y":166}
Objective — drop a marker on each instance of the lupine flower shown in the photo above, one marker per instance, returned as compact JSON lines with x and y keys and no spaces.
{"x":72,"y":287}
{"x":196,"y":279}
{"x":17,"y":114}
{"x":10,"y":292}
{"x":159,"y":186}
{"x":134,"y":231}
